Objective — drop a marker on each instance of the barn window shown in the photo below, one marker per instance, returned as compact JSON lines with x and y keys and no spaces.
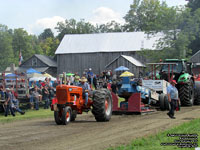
{"x":34,"y":62}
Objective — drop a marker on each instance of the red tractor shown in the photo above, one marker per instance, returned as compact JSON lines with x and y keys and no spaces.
{"x":70,"y":101}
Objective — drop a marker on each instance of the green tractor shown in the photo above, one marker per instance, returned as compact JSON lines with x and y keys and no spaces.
{"x":182,"y":73}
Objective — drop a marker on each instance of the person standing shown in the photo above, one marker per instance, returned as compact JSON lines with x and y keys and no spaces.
{"x":45,"y":96}
{"x":36,"y":97}
{"x":76,"y":79}
{"x":173,"y":98}
{"x":95,"y":82}
{"x":8,"y":102}
{"x":90,"y":76}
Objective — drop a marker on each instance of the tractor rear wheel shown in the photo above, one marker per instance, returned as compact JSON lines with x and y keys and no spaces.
{"x":197,"y":93}
{"x":162,"y":101}
{"x":186,"y":94}
{"x":102,"y":105}
{"x":66,"y":115}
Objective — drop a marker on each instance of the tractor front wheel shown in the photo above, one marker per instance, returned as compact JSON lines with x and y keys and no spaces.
{"x":74,"y":114}
{"x":66,"y":115}
{"x":58,"y":117}
{"x":102,"y":105}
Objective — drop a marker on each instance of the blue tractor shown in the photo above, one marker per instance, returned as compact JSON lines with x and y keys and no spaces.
{"x":136,"y":97}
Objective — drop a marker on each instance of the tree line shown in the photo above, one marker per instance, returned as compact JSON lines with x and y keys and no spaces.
{"x":179,"y":25}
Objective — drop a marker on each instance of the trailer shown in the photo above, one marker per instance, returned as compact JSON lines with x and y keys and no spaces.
{"x":19,"y":82}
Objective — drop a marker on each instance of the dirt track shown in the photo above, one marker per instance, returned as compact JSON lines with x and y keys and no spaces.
{"x":85,"y":133}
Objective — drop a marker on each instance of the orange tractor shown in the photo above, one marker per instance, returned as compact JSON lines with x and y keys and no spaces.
{"x":70,"y":101}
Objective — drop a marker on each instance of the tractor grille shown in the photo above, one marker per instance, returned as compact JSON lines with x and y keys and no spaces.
{"x":61,"y":95}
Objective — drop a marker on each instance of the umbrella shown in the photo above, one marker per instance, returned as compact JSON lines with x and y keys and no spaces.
{"x":126,"y":74}
{"x":34,"y":75}
{"x":11,"y":75}
{"x":40,"y":78}
{"x":47,"y":75}
{"x":31,"y":70}
{"x":121,"y":68}
{"x":69,"y":74}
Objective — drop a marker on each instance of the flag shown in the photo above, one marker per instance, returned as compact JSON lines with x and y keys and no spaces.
{"x":20,"y":57}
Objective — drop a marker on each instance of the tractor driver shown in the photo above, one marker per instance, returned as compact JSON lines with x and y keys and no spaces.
{"x":85,"y":86}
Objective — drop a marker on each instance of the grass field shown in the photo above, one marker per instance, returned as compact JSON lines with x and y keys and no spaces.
{"x":153,"y":142}
{"x":30,"y":114}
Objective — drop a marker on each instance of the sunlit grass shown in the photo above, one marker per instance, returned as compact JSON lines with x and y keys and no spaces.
{"x":153,"y":142}
{"x":30,"y":114}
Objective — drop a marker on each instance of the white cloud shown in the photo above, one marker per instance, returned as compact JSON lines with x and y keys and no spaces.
{"x":103,"y":15}
{"x":43,"y":23}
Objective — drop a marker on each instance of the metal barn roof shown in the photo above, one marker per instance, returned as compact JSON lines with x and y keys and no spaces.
{"x":128,"y":58}
{"x":107,"y":42}
{"x":47,"y":60}
{"x":195,"y":55}
{"x":133,"y":61}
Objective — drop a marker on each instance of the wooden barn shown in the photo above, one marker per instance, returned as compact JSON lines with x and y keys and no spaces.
{"x":133,"y":64}
{"x":78,"y":52}
{"x":196,"y":59}
{"x":40,"y":63}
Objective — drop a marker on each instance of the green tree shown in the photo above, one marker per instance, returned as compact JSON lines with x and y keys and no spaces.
{"x":112,"y":26}
{"x":152,"y":17}
{"x":193,"y":4}
{"x":49,"y":46}
{"x":147,"y":15}
{"x":24,"y":43}
{"x":73,"y":27}
{"x":6,"y":57}
{"x":192,"y":25}
{"x":46,"y":34}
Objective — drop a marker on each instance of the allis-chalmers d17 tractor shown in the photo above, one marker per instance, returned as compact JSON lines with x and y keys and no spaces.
{"x":70,"y":102}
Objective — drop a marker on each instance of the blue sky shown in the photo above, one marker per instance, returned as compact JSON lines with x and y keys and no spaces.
{"x":36,"y":15}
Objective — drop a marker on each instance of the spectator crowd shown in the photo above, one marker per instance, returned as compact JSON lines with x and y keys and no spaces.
{"x":42,"y":92}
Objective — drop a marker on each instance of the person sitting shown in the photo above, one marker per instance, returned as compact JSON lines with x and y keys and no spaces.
{"x":15,"y":102}
{"x":114,"y":87}
{"x":15,"y":106}
{"x":85,"y":86}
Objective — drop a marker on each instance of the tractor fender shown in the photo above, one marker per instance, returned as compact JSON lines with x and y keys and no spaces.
{"x":185,"y":78}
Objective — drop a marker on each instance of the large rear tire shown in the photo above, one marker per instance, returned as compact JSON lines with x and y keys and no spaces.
{"x":102,"y":105}
{"x":197,"y":93}
{"x":186,"y":94}
{"x":161,"y":101}
{"x":66,"y":115}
